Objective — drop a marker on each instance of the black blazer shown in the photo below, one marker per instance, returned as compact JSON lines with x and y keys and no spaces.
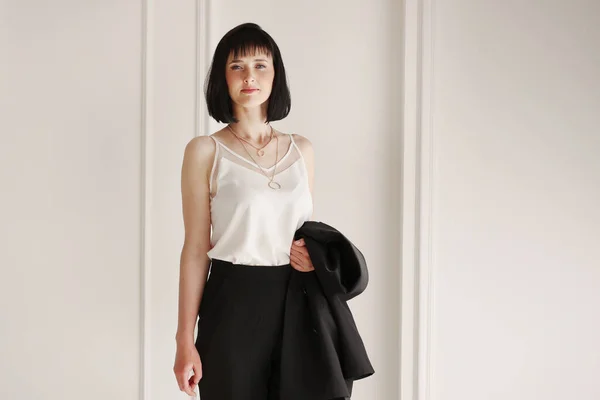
{"x":322,"y":351}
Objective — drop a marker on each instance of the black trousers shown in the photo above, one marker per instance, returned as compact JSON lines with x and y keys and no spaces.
{"x":239,"y":331}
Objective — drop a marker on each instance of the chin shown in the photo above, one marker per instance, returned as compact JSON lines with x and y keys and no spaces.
{"x":251,"y":102}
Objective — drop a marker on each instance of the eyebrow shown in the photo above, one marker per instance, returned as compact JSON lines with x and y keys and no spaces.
{"x":256,"y":59}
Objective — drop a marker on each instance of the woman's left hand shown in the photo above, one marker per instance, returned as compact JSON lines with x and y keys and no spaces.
{"x":299,"y":258}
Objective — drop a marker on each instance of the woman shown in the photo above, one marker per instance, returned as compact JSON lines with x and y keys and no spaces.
{"x":253,"y":185}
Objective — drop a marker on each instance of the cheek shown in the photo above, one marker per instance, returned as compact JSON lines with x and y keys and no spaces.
{"x":233,"y":84}
{"x":230,"y":78}
{"x":233,"y":76}
{"x":267,"y":83}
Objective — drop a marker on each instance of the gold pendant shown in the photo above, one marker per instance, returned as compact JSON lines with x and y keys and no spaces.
{"x":261,"y":153}
{"x":275,"y":183}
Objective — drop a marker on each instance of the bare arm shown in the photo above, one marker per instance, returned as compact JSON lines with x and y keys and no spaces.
{"x":195,"y":171}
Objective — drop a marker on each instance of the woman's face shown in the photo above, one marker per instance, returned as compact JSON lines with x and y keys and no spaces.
{"x":249,"y":72}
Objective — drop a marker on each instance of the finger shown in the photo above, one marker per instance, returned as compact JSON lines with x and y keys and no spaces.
{"x":190,"y":392}
{"x":298,"y":254}
{"x":304,"y":260}
{"x":184,"y":378}
{"x":182,"y":382}
{"x":197,"y":374}
{"x":192,"y":388}
{"x":294,"y":257}
{"x":299,"y":248}
{"x":180,"y":376}
{"x":300,"y":266}
{"x":303,"y":253}
{"x":187,"y":388}
{"x":302,"y":257}
{"x":295,"y":265}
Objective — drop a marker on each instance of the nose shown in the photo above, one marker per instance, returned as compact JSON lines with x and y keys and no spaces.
{"x":249,"y":77}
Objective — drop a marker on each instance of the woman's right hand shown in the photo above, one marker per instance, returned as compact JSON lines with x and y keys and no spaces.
{"x":186,"y":360}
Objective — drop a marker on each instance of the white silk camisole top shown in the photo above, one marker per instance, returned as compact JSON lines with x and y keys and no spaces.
{"x":253,"y":224}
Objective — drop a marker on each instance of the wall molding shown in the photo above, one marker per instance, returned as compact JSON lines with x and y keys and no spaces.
{"x":146,"y":143}
{"x":146,"y":193}
{"x":202,"y":64}
{"x":426,"y":260}
{"x":417,"y":204}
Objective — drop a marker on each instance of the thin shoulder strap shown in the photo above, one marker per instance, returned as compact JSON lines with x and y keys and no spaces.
{"x":295,"y":145}
{"x":292,"y":139}
{"x":214,"y":139}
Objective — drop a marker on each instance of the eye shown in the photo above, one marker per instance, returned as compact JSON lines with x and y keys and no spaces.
{"x":261,"y":65}
{"x":235,"y":67}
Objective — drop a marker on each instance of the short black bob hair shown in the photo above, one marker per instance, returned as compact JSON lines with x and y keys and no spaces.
{"x":245,"y":39}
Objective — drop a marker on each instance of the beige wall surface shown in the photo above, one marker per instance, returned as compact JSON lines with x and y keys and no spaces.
{"x":514,"y":225}
{"x":70,"y":100}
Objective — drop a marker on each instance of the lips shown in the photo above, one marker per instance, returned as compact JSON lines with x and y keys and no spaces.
{"x":249,"y":90}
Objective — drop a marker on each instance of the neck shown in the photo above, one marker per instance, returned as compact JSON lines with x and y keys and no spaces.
{"x":252,"y":124}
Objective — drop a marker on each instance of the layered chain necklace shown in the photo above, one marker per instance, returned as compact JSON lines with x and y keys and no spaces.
{"x":272,"y":184}
{"x":259,"y":150}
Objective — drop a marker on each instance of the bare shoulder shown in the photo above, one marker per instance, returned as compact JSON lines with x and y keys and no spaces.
{"x":305,"y":145}
{"x":199,"y":153}
{"x":200,"y":145}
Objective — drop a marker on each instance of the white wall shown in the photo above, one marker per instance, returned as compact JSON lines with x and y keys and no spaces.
{"x":70,"y":200}
{"x":172,"y":123}
{"x":511,"y":99}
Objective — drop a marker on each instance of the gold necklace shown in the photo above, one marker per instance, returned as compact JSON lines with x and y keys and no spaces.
{"x":259,"y":150}
{"x":276,"y":185}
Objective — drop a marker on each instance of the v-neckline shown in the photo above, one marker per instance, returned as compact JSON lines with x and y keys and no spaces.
{"x":289,"y":150}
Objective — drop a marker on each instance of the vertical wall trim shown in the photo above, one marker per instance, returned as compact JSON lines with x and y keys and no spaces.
{"x":409,"y":307}
{"x":417,"y":195}
{"x":426,"y":202}
{"x":146,"y":195}
{"x":202,"y":62}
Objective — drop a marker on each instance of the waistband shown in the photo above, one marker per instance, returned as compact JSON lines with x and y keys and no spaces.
{"x":242,"y":271}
